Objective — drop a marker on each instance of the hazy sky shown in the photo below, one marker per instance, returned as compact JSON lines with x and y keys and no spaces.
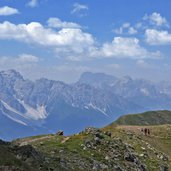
{"x":60,"y":39}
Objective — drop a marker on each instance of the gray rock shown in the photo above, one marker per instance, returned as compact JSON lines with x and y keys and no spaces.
{"x":164,"y":168}
{"x":129,"y":157}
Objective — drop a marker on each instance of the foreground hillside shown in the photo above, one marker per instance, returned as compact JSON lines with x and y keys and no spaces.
{"x":117,"y":148}
{"x":147,"y":118}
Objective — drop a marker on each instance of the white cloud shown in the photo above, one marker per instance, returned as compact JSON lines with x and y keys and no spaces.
{"x":73,"y":43}
{"x":5,"y":11}
{"x":27,"y":64}
{"x":125,"y":28}
{"x":57,"y":23}
{"x":27,"y":58}
{"x":22,"y":62}
{"x":156,"y":19}
{"x":65,"y":40}
{"x":156,"y":37}
{"x":126,"y":25}
{"x":33,"y":3}
{"x":19,"y":60}
{"x":118,"y":30}
{"x":127,"y":47}
{"x":132,"y":31}
{"x":141,"y":63}
{"x":138,"y":25}
{"x":77,"y":8}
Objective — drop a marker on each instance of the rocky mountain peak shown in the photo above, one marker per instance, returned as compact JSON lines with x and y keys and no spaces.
{"x":11,"y":74}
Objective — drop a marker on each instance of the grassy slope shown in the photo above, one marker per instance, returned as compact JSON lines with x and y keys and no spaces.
{"x":61,"y":149}
{"x":147,"y":118}
{"x":160,"y":141}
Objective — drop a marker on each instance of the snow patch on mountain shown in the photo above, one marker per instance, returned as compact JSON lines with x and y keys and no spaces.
{"x":16,"y":120}
{"x":145,"y":91}
{"x":35,"y":114}
{"x":91,"y":105}
{"x":12,"y":109}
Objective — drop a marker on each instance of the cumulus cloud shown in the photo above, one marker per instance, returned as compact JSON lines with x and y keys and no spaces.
{"x":65,"y":40}
{"x":73,"y":43}
{"x":5,"y":11}
{"x":57,"y":23}
{"x":156,"y":19}
{"x":156,"y":37}
{"x":127,"y":47}
{"x":153,"y":21}
{"x":125,"y":28}
{"x":32,"y":3}
{"x":132,"y":30}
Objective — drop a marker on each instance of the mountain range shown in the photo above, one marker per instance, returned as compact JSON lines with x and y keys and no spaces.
{"x":96,"y":99}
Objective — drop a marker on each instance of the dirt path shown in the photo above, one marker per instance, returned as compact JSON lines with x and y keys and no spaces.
{"x":65,"y":139}
{"x":137,"y":130}
{"x":28,"y":141}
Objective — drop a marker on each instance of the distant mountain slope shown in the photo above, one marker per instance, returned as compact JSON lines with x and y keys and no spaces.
{"x":28,"y":108}
{"x":144,"y":93}
{"x":45,"y":106}
{"x":147,"y":118}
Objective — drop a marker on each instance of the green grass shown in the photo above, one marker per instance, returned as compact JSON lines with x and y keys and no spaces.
{"x":147,"y":118}
{"x":126,"y":128}
{"x":160,"y":140}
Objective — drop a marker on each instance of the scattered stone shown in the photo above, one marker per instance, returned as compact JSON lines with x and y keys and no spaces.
{"x":144,"y":155}
{"x":41,"y":143}
{"x":164,"y":168}
{"x":108,"y":133}
{"x":117,"y":168}
{"x":61,"y":133}
{"x":107,"y":158}
{"x":143,"y":148}
{"x":165,"y":157}
{"x":97,"y":141}
{"x":129,"y":157}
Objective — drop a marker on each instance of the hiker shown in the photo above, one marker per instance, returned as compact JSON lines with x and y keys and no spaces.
{"x":148,"y":131}
{"x":142,"y":130}
{"x":145,"y":131}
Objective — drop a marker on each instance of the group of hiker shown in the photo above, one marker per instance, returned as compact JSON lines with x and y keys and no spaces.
{"x":145,"y":131}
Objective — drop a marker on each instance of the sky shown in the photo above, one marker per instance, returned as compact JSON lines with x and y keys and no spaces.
{"x":60,"y":39}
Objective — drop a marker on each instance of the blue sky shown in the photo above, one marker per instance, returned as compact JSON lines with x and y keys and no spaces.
{"x":60,"y":39}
